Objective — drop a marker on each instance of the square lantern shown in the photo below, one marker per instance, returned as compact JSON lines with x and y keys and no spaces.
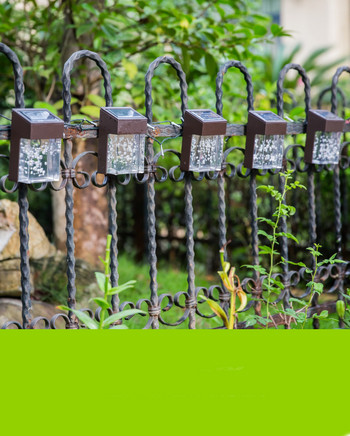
{"x":265,"y":140}
{"x":202,"y":140}
{"x":323,"y":136}
{"x":121,"y":147}
{"x":35,"y":152}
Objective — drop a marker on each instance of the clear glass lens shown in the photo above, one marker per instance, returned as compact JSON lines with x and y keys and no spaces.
{"x":207,"y":115}
{"x":206,"y":153}
{"x":39,"y":160}
{"x":124,"y":112}
{"x":268,"y":151}
{"x":125,"y":154}
{"x":326,"y":148}
{"x":39,"y":115}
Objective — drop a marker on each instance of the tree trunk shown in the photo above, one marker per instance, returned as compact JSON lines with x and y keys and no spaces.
{"x":90,"y":204}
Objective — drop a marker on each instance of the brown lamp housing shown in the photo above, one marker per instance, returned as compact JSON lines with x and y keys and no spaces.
{"x":323,"y":136}
{"x":264,"y":140}
{"x":202,"y":140}
{"x":121,"y":146}
{"x":35,"y":150}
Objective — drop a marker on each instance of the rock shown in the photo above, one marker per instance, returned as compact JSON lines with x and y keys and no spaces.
{"x":48,"y":266}
{"x":39,"y":245}
{"x":11,"y":310}
{"x":50,"y":280}
{"x":10,"y":278}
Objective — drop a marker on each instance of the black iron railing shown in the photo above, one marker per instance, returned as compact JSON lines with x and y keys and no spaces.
{"x":335,"y":277}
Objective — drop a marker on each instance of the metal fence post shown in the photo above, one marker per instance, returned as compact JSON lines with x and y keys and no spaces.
{"x":337,"y":193}
{"x":221,"y":182}
{"x":311,"y":185}
{"x":22,"y":198}
{"x":66,"y":82}
{"x":151,"y":218}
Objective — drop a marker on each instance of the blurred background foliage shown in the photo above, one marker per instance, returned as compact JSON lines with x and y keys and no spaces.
{"x":129,"y":35}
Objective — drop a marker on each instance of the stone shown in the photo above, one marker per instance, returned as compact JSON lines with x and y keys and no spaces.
{"x":10,"y":278}
{"x":39,"y":245}
{"x":50,"y":280}
{"x":11,"y":310}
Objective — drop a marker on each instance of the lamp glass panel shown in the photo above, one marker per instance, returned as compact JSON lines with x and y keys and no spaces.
{"x":268,"y":151}
{"x":125,"y":154}
{"x":206,"y":153}
{"x":326,"y":148}
{"x":207,"y":115}
{"x":124,"y":112}
{"x":39,"y":115}
{"x":39,"y":160}
{"x":268,"y":116}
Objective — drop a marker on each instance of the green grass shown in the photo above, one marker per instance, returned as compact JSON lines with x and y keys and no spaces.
{"x":170,"y":280}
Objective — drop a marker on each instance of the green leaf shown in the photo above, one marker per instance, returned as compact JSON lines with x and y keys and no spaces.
{"x":101,"y":302}
{"x":301,"y":316}
{"x":322,"y":315}
{"x":120,"y":315}
{"x":85,"y":28}
{"x":291,"y":312}
{"x":277,"y":282}
{"x":345,"y":296}
{"x":250,"y":321}
{"x":91,"y":111}
{"x":100,"y":277}
{"x":259,"y":30}
{"x":264,"y":249}
{"x":263,"y":233}
{"x":295,"y":300}
{"x":267,"y":221}
{"x":340,"y":308}
{"x":210,"y":64}
{"x":293,"y":263}
{"x":287,"y":235}
{"x":90,"y":9}
{"x":80,"y":117}
{"x":119,"y":327}
{"x":297,"y":111}
{"x":97,"y":100}
{"x":83,"y":317}
{"x":314,"y":252}
{"x":59,"y":104}
{"x":130,"y":68}
{"x":185,"y":59}
{"x":277,"y":30}
{"x":318,"y":287}
{"x":121,"y":288}
{"x":262,"y":320}
{"x":260,"y":269}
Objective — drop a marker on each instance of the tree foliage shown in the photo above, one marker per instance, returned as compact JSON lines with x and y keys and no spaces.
{"x":129,"y":35}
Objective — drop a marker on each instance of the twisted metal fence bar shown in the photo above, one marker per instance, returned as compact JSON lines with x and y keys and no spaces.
{"x":336,"y":177}
{"x":334,"y":277}
{"x":337,"y":191}
{"x":22,"y":197}
{"x":221,"y":180}
{"x":312,"y":220}
{"x":69,"y":173}
{"x":154,"y":308}
{"x":320,"y":100}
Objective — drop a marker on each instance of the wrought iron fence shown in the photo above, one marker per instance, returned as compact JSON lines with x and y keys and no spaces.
{"x":334,"y":277}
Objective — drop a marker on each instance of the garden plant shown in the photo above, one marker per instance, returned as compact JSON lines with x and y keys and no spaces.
{"x":104,"y":303}
{"x":272,"y":285}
